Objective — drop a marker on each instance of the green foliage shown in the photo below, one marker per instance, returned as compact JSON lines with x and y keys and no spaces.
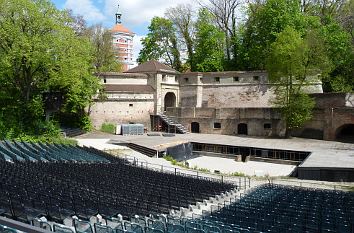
{"x":45,"y":139}
{"x":340,"y":50}
{"x":238,"y":174}
{"x":103,"y":53}
{"x":264,"y":23}
{"x":175,"y":162}
{"x":40,"y":52}
{"x":291,"y":62}
{"x":85,"y":123}
{"x":204,"y":170}
{"x":46,"y":132}
{"x":161,"y":43}
{"x":209,"y":54}
{"x":108,"y":128}
{"x":298,"y":110}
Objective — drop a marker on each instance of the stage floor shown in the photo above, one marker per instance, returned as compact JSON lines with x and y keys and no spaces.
{"x":323,"y":153}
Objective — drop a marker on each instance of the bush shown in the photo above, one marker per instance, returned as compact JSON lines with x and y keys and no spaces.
{"x":175,"y":162}
{"x":85,"y":123}
{"x":238,"y":174}
{"x":108,"y":128}
{"x":203,"y":169}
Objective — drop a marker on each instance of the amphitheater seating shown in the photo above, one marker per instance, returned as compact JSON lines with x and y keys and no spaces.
{"x":62,"y":189}
{"x":58,"y":182}
{"x":271,"y":208}
{"x":35,"y":152}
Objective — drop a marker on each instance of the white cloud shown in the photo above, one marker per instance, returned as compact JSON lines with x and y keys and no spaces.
{"x":137,"y":12}
{"x":85,"y":8}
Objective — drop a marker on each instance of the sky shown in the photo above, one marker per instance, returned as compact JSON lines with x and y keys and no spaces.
{"x":136,"y":14}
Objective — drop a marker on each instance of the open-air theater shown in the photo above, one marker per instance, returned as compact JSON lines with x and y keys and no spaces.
{"x":51,"y":187}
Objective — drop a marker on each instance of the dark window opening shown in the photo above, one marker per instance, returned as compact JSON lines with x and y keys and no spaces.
{"x":217,"y":79}
{"x":256,"y":78}
{"x":130,"y":105}
{"x":267,"y":126}
{"x":217,"y":125}
{"x":236,"y":79}
{"x":105,"y":80}
{"x":186,"y":80}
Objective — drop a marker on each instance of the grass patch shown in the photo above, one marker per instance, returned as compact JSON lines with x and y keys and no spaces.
{"x":108,"y":128}
{"x":238,"y":174}
{"x":175,"y":162}
{"x":50,"y":139}
{"x":204,"y":170}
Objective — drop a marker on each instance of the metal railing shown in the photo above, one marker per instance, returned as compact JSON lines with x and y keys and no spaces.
{"x":242,"y":182}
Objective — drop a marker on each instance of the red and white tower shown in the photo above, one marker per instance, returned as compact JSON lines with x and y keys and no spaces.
{"x":122,"y":42}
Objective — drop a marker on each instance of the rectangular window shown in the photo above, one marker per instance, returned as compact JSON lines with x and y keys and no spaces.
{"x":267,"y":126}
{"x":130,"y":105}
{"x":105,"y":80}
{"x":186,"y":80}
{"x":255,"y":78}
{"x":236,"y":79}
{"x":217,"y":125}
{"x":217,"y":79}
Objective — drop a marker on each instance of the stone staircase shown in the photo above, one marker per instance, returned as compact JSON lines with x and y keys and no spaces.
{"x":210,"y":205}
{"x":180,"y":128}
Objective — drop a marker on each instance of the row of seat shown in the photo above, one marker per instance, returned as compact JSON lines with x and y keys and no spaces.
{"x":276,"y":208}
{"x":61,"y":189}
{"x":263,"y":209}
{"x":41,"y":152}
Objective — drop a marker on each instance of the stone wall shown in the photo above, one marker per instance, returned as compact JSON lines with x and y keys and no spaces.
{"x":123,"y":78}
{"x":235,"y":89}
{"x":326,"y":123}
{"x":237,"y":96}
{"x":258,"y":120}
{"x":122,"y":112}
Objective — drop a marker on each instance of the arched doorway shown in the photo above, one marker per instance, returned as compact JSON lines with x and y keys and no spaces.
{"x":169,"y":100}
{"x":242,"y":129}
{"x":195,"y":127}
{"x":345,"y":133}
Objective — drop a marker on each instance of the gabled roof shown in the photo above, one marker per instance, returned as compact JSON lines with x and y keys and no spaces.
{"x":152,"y":67}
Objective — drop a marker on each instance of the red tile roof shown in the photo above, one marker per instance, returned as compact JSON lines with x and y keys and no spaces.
{"x":152,"y":66}
{"x":120,"y":28}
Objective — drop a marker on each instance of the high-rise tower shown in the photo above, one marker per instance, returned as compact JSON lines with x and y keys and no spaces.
{"x":122,"y":42}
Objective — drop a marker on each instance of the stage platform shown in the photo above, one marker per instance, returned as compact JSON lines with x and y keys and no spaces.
{"x":325,"y":156}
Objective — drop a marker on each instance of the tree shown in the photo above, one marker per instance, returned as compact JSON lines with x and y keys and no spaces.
{"x":209,"y":54}
{"x":293,"y":63}
{"x":341,"y":52}
{"x":40,"y":52}
{"x":265,"y":21}
{"x":346,"y":18}
{"x":103,"y":54}
{"x":182,"y":17}
{"x":161,"y":43}
{"x":225,"y":15}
